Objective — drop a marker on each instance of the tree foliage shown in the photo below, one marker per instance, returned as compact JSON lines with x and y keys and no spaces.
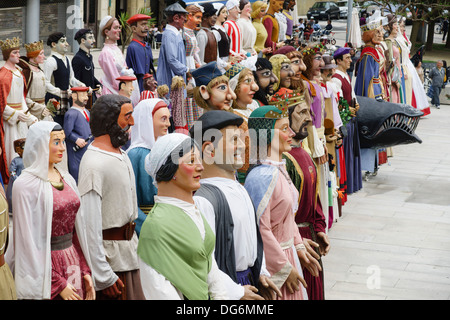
{"x":419,"y":12}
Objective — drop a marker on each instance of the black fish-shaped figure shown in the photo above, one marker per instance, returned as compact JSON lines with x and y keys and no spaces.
{"x":383,"y":124}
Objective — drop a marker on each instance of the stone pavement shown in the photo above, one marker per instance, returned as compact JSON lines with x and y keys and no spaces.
{"x":393,"y":239}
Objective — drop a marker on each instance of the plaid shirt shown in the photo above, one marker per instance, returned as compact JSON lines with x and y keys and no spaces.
{"x":190,"y":41}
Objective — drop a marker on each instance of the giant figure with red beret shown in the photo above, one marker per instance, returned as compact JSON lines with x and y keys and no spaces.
{"x":139,"y":53}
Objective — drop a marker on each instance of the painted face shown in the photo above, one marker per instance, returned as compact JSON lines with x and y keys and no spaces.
{"x":394,"y":31}
{"x":56,"y":146}
{"x":114,"y":32}
{"x":221,"y":97}
{"x":14,"y":56}
{"x":179,"y":20}
{"x":211,"y":20}
{"x":247,"y":10}
{"x":161,"y":122}
{"x":62,"y":46}
{"x":80,"y":98}
{"x":377,"y":36}
{"x":317,"y":63}
{"x":282,"y":138}
{"x":247,"y":90}
{"x":229,"y":152}
{"x":297,"y":66}
{"x":141,"y":28}
{"x":127,"y":88}
{"x":266,"y":79}
{"x":89,"y":41}
{"x":18,"y":147}
{"x":125,"y":119}
{"x":327,"y":74}
{"x":194,"y":20}
{"x":300,"y":120}
{"x":346,"y":61}
{"x":189,"y":171}
{"x":151,"y":83}
{"x":291,"y":5}
{"x":277,"y":5}
{"x":262,"y":12}
{"x":286,"y":73}
{"x":402,"y":27}
{"x":40,"y":58}
{"x":233,"y":13}
{"x":223,"y":15}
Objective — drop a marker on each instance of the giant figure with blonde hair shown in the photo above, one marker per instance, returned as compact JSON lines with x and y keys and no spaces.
{"x":212,"y":91}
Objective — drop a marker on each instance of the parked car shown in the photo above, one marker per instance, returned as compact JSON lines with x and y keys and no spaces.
{"x":324,"y":10}
{"x":343,"y":7}
{"x":365,"y":7}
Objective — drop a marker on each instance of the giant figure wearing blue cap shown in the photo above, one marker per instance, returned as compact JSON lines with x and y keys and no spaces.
{"x":172,"y":56}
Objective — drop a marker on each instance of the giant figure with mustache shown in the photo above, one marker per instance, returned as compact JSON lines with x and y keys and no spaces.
{"x":303,"y":172}
{"x":111,"y":201}
{"x":139,"y":52}
{"x":265,"y":79}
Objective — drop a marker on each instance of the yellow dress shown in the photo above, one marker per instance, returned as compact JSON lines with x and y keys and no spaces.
{"x":261,"y":35}
{"x":7,"y":286}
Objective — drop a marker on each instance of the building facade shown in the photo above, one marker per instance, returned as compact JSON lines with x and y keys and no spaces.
{"x":33,"y":20}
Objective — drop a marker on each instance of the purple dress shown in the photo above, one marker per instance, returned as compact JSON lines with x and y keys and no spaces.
{"x":316,"y":104}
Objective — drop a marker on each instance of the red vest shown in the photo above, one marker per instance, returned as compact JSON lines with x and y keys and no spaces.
{"x":346,"y":88}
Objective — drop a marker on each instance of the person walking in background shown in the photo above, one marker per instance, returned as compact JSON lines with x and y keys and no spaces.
{"x":419,"y":69}
{"x":444,"y":28}
{"x":437,"y":81}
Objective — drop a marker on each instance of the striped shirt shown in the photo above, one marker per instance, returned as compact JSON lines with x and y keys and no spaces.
{"x":234,"y":32}
{"x":147,"y":94}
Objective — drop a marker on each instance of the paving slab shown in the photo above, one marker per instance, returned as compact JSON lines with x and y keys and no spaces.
{"x":393,"y":239}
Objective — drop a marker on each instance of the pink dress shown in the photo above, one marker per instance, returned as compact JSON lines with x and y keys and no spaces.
{"x":68,"y":262}
{"x":279,"y":230}
{"x":395,"y":91}
{"x":112,"y":61}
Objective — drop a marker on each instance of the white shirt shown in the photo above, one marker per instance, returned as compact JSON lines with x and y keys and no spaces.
{"x":248,"y":34}
{"x":338,"y":83}
{"x":244,"y":232}
{"x":101,"y":268}
{"x":50,"y":65}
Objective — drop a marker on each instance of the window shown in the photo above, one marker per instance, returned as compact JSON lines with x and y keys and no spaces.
{"x":318,"y":5}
